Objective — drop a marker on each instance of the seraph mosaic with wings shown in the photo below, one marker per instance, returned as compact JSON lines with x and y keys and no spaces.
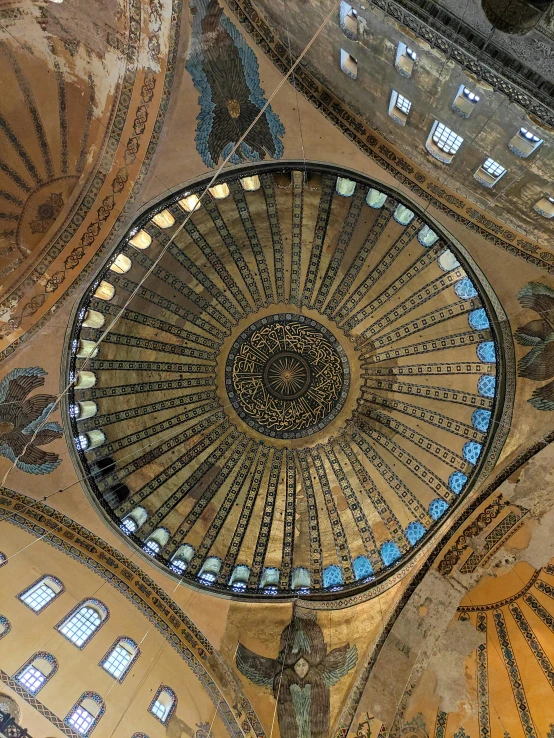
{"x":24,"y":424}
{"x":300,"y":677}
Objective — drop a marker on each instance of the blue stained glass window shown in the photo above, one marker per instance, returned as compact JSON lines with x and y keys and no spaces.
{"x":481,"y":420}
{"x":472,"y":451}
{"x":457,"y":481}
{"x":465,"y":289}
{"x":486,"y":352}
{"x":332,"y":576}
{"x":414,"y":532}
{"x":389,"y":552}
{"x":362,"y":567}
{"x":437,"y":507}
{"x":486,"y":386}
{"x":478,"y":320}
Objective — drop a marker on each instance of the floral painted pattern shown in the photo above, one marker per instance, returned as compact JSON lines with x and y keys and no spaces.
{"x":538,"y":364}
{"x":21,"y":416}
{"x":225,"y":72}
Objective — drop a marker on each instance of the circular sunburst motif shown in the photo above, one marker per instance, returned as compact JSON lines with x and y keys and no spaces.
{"x":287,"y":376}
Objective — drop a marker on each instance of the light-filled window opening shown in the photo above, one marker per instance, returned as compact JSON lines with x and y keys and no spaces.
{"x":152,"y":547}
{"x":121,"y":264}
{"x":446,"y":139}
{"x":118,"y":661}
{"x":82,"y":442}
{"x":443,"y":142}
{"x":524,"y":143}
{"x":134,"y":520}
{"x":301,"y":580}
{"x":269,"y":581}
{"x":348,"y":20}
{"x":104,"y":291}
{"x":251,"y":184}
{"x":427,"y":237}
{"x":182,"y":558}
{"x":128,"y":525}
{"x":345,"y":187}
{"x":83,"y":623}
{"x":489,"y":172}
{"x":239,"y":578}
{"x":220,"y":191}
{"x":37,"y":671}
{"x":399,"y":107}
{"x":89,"y":440}
{"x":545,"y":207}
{"x":493,"y":168}
{"x":85,"y":380}
{"x":403,"y":104}
{"x":93,"y":319}
{"x":85,"y":409}
{"x":41,"y":593}
{"x":403,"y":215}
{"x":164,"y":703}
{"x":471,"y":95}
{"x":210,"y":570}
{"x":465,"y":101}
{"x":156,"y":541}
{"x":86,"y":713}
{"x":405,"y":60}
{"x":87,"y":349}
{"x":141,"y":240}
{"x":348,"y":64}
{"x":375,"y":199}
{"x":164,"y":219}
{"x":190,"y":203}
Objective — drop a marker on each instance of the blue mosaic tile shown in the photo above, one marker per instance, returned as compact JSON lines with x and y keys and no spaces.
{"x":332,"y":576}
{"x":486,"y":352}
{"x":389,"y":553}
{"x":465,"y":289}
{"x":472,"y":451}
{"x":481,"y":420}
{"x":478,"y":320}
{"x":437,"y":508}
{"x":414,"y":532}
{"x":486,"y":386}
{"x":362,"y":567}
{"x":457,"y":481}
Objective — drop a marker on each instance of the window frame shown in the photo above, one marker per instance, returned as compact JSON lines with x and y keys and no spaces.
{"x":172,"y":708}
{"x":441,"y":138}
{"x":96,"y":718}
{"x":89,"y":602}
{"x":131,"y":663}
{"x":493,"y":168}
{"x":29,"y":664}
{"x":35,"y":585}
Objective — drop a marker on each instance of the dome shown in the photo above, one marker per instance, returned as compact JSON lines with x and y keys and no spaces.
{"x":304,"y":386}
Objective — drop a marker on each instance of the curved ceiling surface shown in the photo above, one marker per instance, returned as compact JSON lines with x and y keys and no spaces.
{"x":304,"y":385}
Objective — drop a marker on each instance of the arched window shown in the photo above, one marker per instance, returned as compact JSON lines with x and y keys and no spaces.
{"x":456,"y":482}
{"x":141,"y":240}
{"x":134,"y":520}
{"x":472,"y":451}
{"x":5,"y":626}
{"x":190,"y":203}
{"x":34,"y":674}
{"x":481,"y":420}
{"x":104,"y":291}
{"x":447,"y":261}
{"x":465,"y":289}
{"x":427,"y":237}
{"x":85,"y":714}
{"x":465,"y":101}
{"x":182,"y":558}
{"x":220,"y":191}
{"x":85,"y":380}
{"x":478,"y":320}
{"x":83,"y":622}
{"x":524,"y":143}
{"x":164,"y":219}
{"x":121,"y":264}
{"x":251,"y":184}
{"x":375,"y":199}
{"x":269,"y":582}
{"x":490,"y":172}
{"x":87,"y":349}
{"x":545,"y":206}
{"x":93,"y":319}
{"x":119,"y":659}
{"x":437,"y":508}
{"x":164,"y":703}
{"x":42,"y":593}
{"x":239,"y":577}
{"x":332,"y":576}
{"x":486,"y":386}
{"x":403,"y":215}
{"x":486,"y":352}
{"x":345,"y":187}
{"x":414,"y":532}
{"x":348,"y":20}
{"x":84,"y":409}
{"x":210,"y":570}
{"x":362,"y":567}
{"x":156,"y":541}
{"x":390,"y":553}
{"x":443,"y":142}
{"x":405,"y":60}
{"x":348,"y":64}
{"x":301,"y":580}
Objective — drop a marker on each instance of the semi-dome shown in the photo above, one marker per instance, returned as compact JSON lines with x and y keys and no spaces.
{"x":304,"y":385}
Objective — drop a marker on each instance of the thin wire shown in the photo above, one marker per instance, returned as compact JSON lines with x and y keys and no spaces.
{"x":296,"y":95}
{"x":171,"y":239}
{"x":281,"y":675}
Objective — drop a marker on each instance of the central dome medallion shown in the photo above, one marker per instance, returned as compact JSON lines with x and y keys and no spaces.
{"x":287,"y":376}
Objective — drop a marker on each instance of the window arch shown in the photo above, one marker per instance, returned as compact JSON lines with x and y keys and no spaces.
{"x":414,"y":531}
{"x":389,"y":553}
{"x":120,"y":658}
{"x":139,"y":735}
{"x":210,"y":570}
{"x":301,"y":579}
{"x":134,"y":520}
{"x":83,"y":622}
{"x":105,"y":291}
{"x":5,"y":626}
{"x":270,"y":580}
{"x":182,"y":558}
{"x":35,"y":672}
{"x":362,"y":567}
{"x":93,"y":319}
{"x":164,"y":704}
{"x":41,"y":593}
{"x":332,"y":576}
{"x":86,"y":713}
{"x":437,"y":508}
{"x":156,"y":541}
{"x":403,"y":215}
{"x":239,"y":577}
{"x":85,"y":380}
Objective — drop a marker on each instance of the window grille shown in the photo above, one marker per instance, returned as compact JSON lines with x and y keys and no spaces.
{"x":32,"y":679}
{"x":493,"y":168}
{"x":81,"y":626}
{"x":403,"y":104}
{"x":446,"y":139}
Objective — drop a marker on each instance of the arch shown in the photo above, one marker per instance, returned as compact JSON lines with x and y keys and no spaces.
{"x":86,"y":349}
{"x":251,"y":184}
{"x":403,"y":215}
{"x":37,"y":671}
{"x":301,"y":579}
{"x":104,"y":291}
{"x":210,"y":570}
{"x":345,"y":187}
{"x":121,"y":264}
{"x":93,"y":319}
{"x":134,"y":520}
{"x":85,"y":409}
{"x":332,"y":576}
{"x":362,"y":567}
{"x":437,"y":507}
{"x":83,"y":622}
{"x":85,"y":380}
{"x":190,"y":202}
{"x":220,"y":191}
{"x":41,"y":593}
{"x":269,"y":581}
{"x":390,"y":552}
{"x":375,"y":199}
{"x":182,"y":558}
{"x":427,"y":237}
{"x":5,"y":626}
{"x":457,"y":481}
{"x":414,"y":531}
{"x":156,"y":541}
{"x":86,"y":713}
{"x":141,"y":240}
{"x":486,"y":386}
{"x":120,"y":658}
{"x":239,"y":577}
{"x":164,"y":704}
{"x":164,"y":219}
{"x":486,"y":352}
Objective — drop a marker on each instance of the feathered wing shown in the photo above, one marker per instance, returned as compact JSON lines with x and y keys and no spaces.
{"x":259,"y":669}
{"x":543,"y":397}
{"x":339,"y":662}
{"x":538,"y":364}
{"x":19,"y":383}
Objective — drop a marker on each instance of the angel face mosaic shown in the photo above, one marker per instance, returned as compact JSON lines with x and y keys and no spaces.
{"x":287,"y":376}
{"x":307,"y":383}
